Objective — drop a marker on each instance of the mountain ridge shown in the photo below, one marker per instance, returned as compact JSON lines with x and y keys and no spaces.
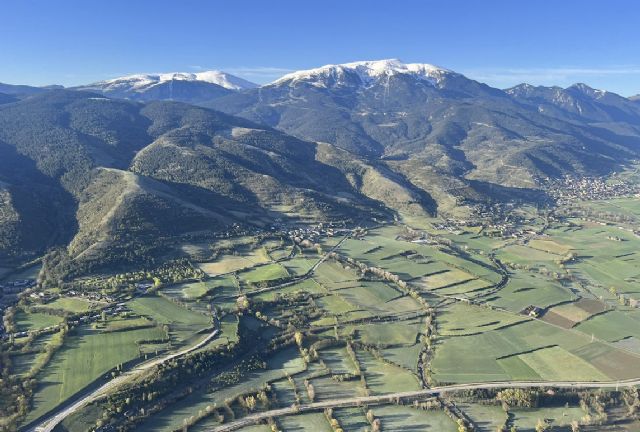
{"x":186,"y":87}
{"x":114,"y":181}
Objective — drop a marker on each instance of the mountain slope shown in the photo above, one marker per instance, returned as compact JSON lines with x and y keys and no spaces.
{"x":11,"y":89}
{"x":5,"y":98}
{"x":129,"y":181}
{"x":449,"y":136}
{"x":578,"y":102}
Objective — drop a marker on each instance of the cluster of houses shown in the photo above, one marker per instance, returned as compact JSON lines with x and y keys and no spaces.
{"x":16,"y":286}
{"x":92,"y":296}
{"x":569,"y":189}
{"x":91,"y":316}
{"x":313,"y":234}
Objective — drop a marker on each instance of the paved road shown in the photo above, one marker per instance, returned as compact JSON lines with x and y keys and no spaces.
{"x":52,"y":422}
{"x":49,"y":424}
{"x":390,"y":397}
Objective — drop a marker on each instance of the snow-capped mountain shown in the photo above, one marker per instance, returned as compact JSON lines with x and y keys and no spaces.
{"x":179,"y":86}
{"x":141,"y":82}
{"x":441,"y":130}
{"x":363,"y":73}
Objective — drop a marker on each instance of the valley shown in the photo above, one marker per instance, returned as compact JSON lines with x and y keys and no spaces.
{"x":497,"y":321}
{"x":366,"y":246}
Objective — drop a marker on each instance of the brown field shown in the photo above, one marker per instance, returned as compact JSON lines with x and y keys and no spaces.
{"x":592,"y":306}
{"x":557,"y":319}
{"x":572,"y":312}
{"x":617,"y":364}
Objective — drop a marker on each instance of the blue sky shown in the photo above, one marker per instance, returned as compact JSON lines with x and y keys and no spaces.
{"x":500,"y":42}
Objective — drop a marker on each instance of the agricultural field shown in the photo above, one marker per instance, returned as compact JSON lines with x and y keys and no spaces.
{"x":487,"y":418}
{"x":383,"y":377}
{"x":529,"y":350}
{"x":400,"y":418}
{"x":568,"y":315}
{"x":606,"y":256}
{"x":86,"y":355}
{"x":281,"y":364}
{"x":459,"y":319}
{"x":183,"y":324}
{"x":527,"y":419}
{"x":395,"y":309}
{"x":524,"y":289}
{"x":73,"y":304}
{"x":231,"y":263}
{"x":27,"y":321}
{"x":264,"y":273}
{"x":300,"y":265}
{"x":305,"y":422}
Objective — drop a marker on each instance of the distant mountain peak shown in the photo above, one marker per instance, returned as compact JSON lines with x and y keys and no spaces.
{"x":587,"y":90}
{"x":366,"y":71}
{"x":142,"y":82}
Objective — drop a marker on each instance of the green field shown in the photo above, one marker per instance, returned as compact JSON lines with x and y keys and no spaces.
{"x":527,"y":419}
{"x":390,"y":333}
{"x":542,"y":350}
{"x":85,"y":356}
{"x":26,"y":321}
{"x":487,"y":418}
{"x":72,"y":304}
{"x":604,"y":262}
{"x":467,"y":329}
{"x":556,"y":363}
{"x":183,"y":324}
{"x":284,"y":362}
{"x":264,"y":273}
{"x":337,"y":360}
{"x":526,"y":289}
{"x":312,"y":422}
{"x":401,"y":418}
{"x":308,"y":285}
{"x":460,"y":319}
{"x":385,"y":378}
{"x":299,"y":266}
{"x":613,"y":325}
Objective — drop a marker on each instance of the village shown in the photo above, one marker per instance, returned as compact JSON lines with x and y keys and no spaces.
{"x":569,"y":188}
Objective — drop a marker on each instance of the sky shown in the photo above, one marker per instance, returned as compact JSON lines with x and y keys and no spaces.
{"x":499,"y":42}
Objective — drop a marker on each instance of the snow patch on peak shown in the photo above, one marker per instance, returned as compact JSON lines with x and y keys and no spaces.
{"x":139,"y":82}
{"x":366,"y":71}
{"x":589,"y":91}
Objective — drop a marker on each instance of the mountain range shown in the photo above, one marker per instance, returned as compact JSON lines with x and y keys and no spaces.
{"x":124,"y":171}
{"x":183,"y":87}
